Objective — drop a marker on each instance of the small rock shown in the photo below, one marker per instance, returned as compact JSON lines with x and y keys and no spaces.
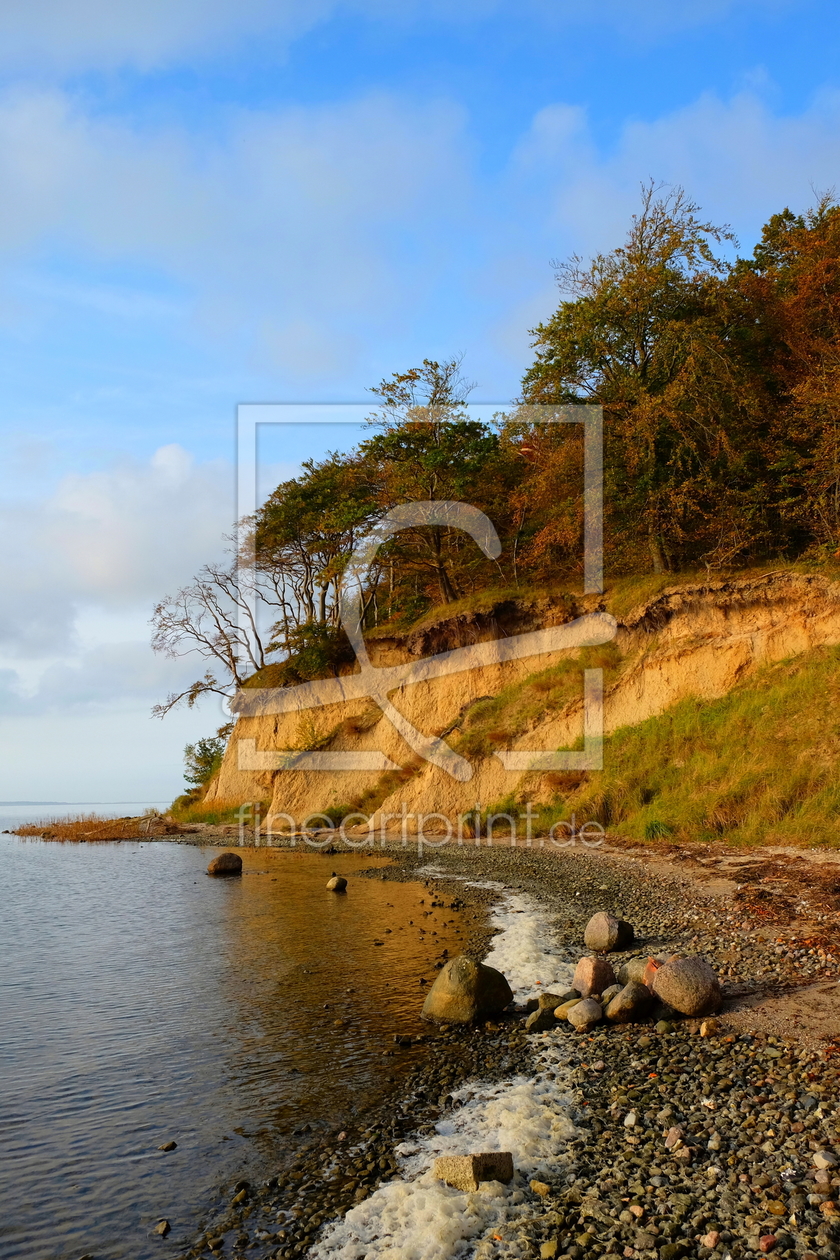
{"x":562,"y":1012}
{"x":548,"y":1250}
{"x":663,"y":1026}
{"x":541,"y":1021}
{"x":168,"y":1146}
{"x":336,"y":883}
{"x":824,"y":1159}
{"x":604,"y":932}
{"x":630,"y":1005}
{"x":541,"y":1188}
{"x":688,"y":985}
{"x":550,"y":1001}
{"x":464,"y":1172}
{"x":241,"y":1197}
{"x":630,"y":1120}
{"x":767,"y":1242}
{"x":466,"y":990}
{"x":162,"y":1228}
{"x":585,"y":1014}
{"x":610,"y":993}
{"x":592,"y":975}
{"x":709,"y":1027}
{"x":711,"y":1239}
{"x":225,"y":864}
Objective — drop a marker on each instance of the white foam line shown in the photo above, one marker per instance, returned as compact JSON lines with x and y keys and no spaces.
{"x":416,"y":1217}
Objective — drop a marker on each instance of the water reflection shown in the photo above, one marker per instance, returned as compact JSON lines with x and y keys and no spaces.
{"x":144,"y":1002}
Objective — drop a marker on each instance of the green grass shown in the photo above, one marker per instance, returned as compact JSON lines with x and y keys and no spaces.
{"x":758,"y":766}
{"x":215,"y":814}
{"x":515,"y":710}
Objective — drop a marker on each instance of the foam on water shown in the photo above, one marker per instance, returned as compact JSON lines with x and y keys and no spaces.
{"x":416,"y":1217}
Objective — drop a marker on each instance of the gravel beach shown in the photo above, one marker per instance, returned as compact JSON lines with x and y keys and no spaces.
{"x":676,"y":1144}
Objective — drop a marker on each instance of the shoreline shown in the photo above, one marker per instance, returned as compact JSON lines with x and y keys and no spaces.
{"x":755,"y":1053}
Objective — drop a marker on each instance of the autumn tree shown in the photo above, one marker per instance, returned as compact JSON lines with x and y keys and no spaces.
{"x":646,"y":331}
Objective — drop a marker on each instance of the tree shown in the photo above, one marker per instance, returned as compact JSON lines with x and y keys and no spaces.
{"x":428,"y":450}
{"x":215,"y":617}
{"x":203,"y":758}
{"x":648,"y":333}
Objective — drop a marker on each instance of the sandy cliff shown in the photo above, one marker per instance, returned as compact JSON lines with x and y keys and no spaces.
{"x":694,"y":639}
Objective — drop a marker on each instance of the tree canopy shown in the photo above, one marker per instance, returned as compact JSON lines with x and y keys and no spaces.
{"x":719,"y":379}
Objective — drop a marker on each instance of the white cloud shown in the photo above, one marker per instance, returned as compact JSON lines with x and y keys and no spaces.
{"x":79,"y":34}
{"x":117,"y":538}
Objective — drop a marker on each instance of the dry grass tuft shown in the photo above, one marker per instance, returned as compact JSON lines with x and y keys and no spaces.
{"x":95,"y":827}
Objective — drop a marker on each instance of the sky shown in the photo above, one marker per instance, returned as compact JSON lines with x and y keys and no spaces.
{"x":214,"y":202}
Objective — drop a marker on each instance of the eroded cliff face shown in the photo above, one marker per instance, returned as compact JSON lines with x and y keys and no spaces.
{"x":695,"y":639}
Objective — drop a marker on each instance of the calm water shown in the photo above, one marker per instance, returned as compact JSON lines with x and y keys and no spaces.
{"x":144,"y":1002}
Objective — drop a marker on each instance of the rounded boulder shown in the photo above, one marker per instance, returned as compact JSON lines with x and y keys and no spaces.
{"x":336,"y":883}
{"x":604,"y":932}
{"x":592,"y":975}
{"x":688,"y":985}
{"x":225,"y":864}
{"x":585,"y":1014}
{"x":631,"y":1005}
{"x":466,"y":990}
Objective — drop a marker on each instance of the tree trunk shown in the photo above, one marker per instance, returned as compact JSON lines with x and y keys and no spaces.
{"x":657,"y":555}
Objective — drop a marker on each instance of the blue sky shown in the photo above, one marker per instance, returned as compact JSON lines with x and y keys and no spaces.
{"x":207,"y":202}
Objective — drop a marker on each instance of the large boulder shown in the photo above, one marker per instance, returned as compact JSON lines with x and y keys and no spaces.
{"x":466,"y":990}
{"x":592,"y":975}
{"x":631,"y":1005}
{"x":688,"y":985}
{"x":225,"y":864}
{"x":585,"y":1014}
{"x":604,"y":932}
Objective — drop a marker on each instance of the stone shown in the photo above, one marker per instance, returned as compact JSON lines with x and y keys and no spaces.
{"x":630,"y":1005}
{"x":711,"y":1239}
{"x":585,"y":1014}
{"x":225,"y":864}
{"x":336,"y":883}
{"x":604,"y":933}
{"x":562,"y":1012}
{"x":550,"y":1001}
{"x":663,"y":1026}
{"x":466,"y":990}
{"x":633,"y":969}
{"x":824,"y":1159}
{"x":541,"y":1021}
{"x":592,"y":975}
{"x":162,"y":1228}
{"x":709,"y":1027}
{"x":548,"y":1250}
{"x":464,"y":1172}
{"x":608,"y":994}
{"x":541,"y":1188}
{"x":688,"y":985}
{"x":767,"y":1242}
{"x":168,"y":1146}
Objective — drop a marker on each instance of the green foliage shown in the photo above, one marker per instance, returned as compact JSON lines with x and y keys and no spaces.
{"x":203,"y":758}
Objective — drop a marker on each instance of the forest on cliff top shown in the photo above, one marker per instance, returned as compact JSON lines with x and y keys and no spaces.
{"x":719,"y":380}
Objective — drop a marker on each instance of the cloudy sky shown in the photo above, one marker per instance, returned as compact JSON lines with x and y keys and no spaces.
{"x":208,"y":202}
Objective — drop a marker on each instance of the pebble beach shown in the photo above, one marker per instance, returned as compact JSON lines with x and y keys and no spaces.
{"x":640,"y":1141}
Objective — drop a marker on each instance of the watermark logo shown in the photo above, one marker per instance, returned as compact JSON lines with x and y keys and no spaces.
{"x":379,"y":683}
{"x":425,"y":830}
